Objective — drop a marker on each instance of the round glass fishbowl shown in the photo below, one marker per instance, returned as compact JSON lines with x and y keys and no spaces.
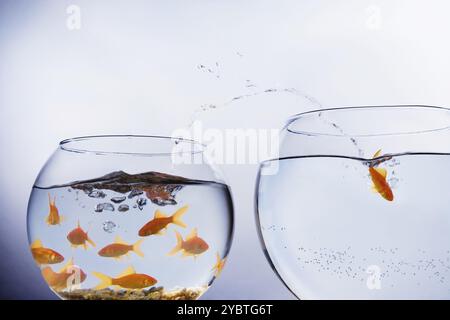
{"x":356,"y":206}
{"x":129,"y":217}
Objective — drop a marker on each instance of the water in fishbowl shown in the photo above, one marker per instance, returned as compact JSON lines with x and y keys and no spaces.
{"x":123,"y":236}
{"x":348,"y":228}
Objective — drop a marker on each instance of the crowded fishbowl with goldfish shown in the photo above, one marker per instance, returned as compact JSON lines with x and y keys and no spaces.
{"x":113,"y":218}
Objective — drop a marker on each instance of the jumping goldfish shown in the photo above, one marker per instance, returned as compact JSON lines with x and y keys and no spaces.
{"x":160,"y":222}
{"x":380,"y":184}
{"x":218,"y":267}
{"x":60,"y":280}
{"x":53,"y":217}
{"x":128,"y":279}
{"x":120,"y":248}
{"x":192,"y":246}
{"x":44,"y":255}
{"x":78,"y":237}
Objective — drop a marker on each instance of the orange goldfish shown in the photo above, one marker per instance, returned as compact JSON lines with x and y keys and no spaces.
{"x":60,"y":280}
{"x":128,"y":279}
{"x":44,"y":255}
{"x":218,"y":267}
{"x":78,"y":237}
{"x":192,"y":246}
{"x":160,"y":222}
{"x":380,"y":183}
{"x":120,"y":248}
{"x":53,"y":217}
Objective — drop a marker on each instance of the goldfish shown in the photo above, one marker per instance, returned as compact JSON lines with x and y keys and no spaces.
{"x":78,"y":237}
{"x":380,"y":183}
{"x":128,"y":279}
{"x":120,"y":248}
{"x":53,"y":217}
{"x":160,"y":222}
{"x":69,"y":275}
{"x":218,"y":267}
{"x":192,"y":246}
{"x":162,"y":194}
{"x":44,"y":255}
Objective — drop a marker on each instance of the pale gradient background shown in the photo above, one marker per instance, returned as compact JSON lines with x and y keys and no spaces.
{"x":133,"y":68}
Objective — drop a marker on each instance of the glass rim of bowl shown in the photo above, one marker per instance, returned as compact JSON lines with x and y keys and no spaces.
{"x":83,"y":144}
{"x":293,"y":121}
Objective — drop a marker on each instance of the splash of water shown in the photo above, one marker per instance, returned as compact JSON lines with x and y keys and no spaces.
{"x":342,"y":132}
{"x":255,"y":92}
{"x":249,"y":85}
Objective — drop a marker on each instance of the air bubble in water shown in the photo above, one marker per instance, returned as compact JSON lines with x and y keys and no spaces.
{"x":109,"y":226}
{"x":104,"y":206}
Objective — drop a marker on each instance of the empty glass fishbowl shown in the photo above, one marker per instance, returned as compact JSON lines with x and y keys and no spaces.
{"x":357,"y":204}
{"x":129,"y":217}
